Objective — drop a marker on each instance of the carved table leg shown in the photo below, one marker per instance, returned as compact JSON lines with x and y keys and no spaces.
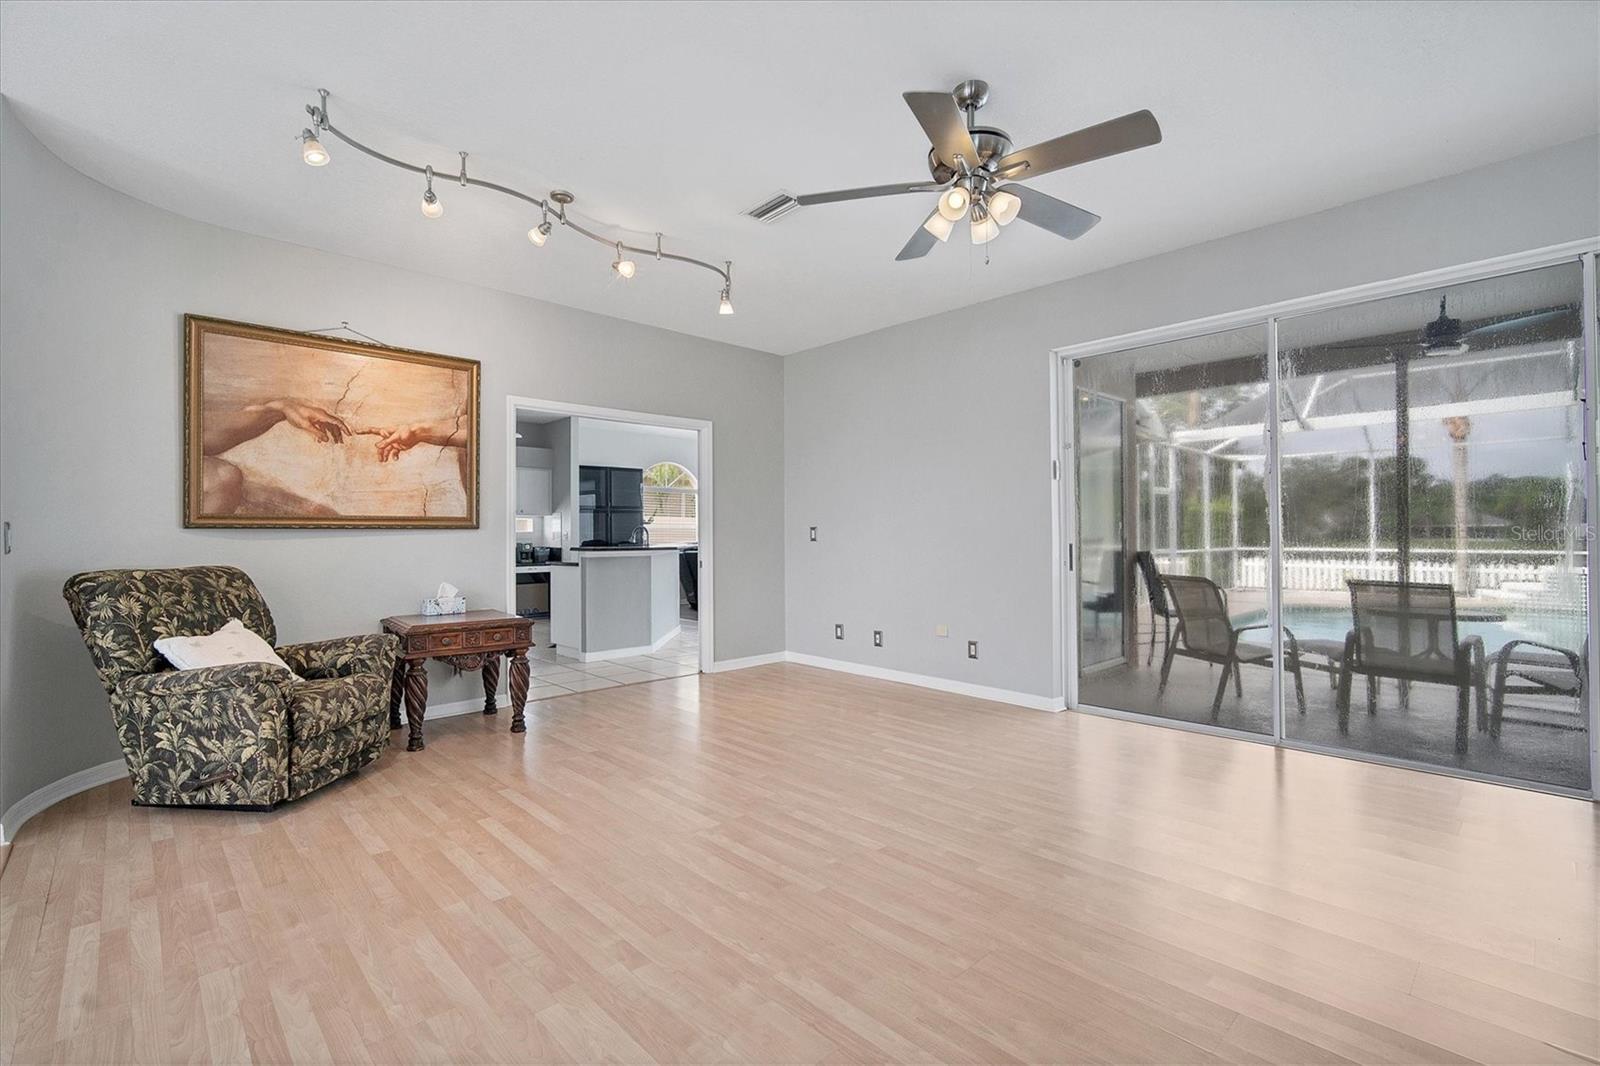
{"x":416,"y":700}
{"x":397,"y":691}
{"x":491,"y":682}
{"x":519,"y":689}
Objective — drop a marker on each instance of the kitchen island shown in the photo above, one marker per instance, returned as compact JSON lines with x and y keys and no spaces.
{"x":611,"y":603}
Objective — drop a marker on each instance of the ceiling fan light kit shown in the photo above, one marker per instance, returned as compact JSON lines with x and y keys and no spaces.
{"x":554,"y":206}
{"x":984,"y":227}
{"x":974,"y":170}
{"x":939,"y":226}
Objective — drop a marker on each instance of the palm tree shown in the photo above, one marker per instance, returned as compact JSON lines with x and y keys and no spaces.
{"x":1460,"y":427}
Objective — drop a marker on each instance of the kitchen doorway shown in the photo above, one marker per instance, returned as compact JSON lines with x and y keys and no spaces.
{"x":609,"y":545}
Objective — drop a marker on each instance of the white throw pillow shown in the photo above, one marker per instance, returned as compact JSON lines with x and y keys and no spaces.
{"x":231,"y":644}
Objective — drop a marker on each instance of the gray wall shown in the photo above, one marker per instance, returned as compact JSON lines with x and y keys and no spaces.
{"x":93,"y":287}
{"x":922,"y":452}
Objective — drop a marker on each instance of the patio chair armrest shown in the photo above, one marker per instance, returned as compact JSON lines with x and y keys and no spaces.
{"x":369,"y":653}
{"x":1294,"y":645}
{"x":1503,"y":657}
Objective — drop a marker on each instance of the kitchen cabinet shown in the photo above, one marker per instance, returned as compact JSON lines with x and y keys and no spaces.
{"x":535,"y":491}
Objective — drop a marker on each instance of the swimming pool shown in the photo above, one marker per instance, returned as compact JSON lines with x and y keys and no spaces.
{"x":1561,"y":629}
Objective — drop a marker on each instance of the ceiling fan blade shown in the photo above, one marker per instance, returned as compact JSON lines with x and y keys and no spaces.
{"x":1516,"y":322}
{"x":1137,"y":130}
{"x":1057,"y":216}
{"x":946,"y":129}
{"x":866,"y":192}
{"x":920,"y":244}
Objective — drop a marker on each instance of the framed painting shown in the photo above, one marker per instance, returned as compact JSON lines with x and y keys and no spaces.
{"x":296,"y":430}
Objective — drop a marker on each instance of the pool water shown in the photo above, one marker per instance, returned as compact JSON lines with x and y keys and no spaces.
{"x":1561,"y":629}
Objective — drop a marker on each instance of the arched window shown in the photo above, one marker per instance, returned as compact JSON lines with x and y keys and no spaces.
{"x":671,"y":504}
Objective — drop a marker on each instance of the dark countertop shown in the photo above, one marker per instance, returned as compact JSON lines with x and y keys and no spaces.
{"x":628,"y":548}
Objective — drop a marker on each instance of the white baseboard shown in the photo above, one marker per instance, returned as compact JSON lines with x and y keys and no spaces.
{"x":722,"y":666}
{"x":941,"y":684}
{"x":628,"y":653}
{"x":56,"y":791}
{"x":455,"y":707}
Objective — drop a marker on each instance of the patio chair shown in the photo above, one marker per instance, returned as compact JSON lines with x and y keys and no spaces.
{"x":1526,"y":667}
{"x":1159,"y":607}
{"x":1407,"y":632}
{"x":1205,"y":632}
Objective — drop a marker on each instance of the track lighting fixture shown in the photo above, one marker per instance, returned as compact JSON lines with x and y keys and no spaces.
{"x":312,"y":151}
{"x":624,"y":267}
{"x":431,"y":207}
{"x":541,"y":233}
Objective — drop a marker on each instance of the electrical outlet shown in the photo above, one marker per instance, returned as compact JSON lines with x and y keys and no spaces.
{"x":941,"y":630}
{"x":877,"y":638}
{"x":972,"y":649}
{"x":838,"y":632}
{"x":813,"y":534}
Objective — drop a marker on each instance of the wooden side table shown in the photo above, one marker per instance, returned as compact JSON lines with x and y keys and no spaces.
{"x":474,"y":640}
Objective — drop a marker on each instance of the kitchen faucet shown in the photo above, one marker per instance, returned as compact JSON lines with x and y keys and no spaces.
{"x":633,"y":538}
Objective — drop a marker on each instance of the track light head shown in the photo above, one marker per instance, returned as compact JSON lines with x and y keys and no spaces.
{"x":624,"y":267}
{"x":725,"y":305}
{"x":311,"y":149}
{"x":431,"y":207}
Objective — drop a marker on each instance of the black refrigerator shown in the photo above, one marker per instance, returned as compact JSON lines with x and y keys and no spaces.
{"x":610,"y":503}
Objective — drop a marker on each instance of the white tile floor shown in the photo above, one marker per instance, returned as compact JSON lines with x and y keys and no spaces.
{"x":555,"y":674}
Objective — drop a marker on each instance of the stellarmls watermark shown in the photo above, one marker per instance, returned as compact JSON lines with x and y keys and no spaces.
{"x":1553,"y":534}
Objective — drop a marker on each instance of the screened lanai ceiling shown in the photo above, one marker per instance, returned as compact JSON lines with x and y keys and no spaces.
{"x":1517,"y":355}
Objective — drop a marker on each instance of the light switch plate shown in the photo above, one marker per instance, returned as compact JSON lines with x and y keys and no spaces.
{"x":972,"y":649}
{"x":877,"y":638}
{"x":838,"y":632}
{"x":941,"y":630}
{"x":813,"y":534}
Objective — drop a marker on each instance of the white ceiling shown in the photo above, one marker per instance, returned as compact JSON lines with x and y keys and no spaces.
{"x":678,"y":117}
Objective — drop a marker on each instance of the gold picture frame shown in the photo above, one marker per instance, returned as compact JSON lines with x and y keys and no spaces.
{"x":291,"y":430}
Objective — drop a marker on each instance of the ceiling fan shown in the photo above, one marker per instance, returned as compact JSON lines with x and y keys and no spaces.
{"x":974,"y":170}
{"x":1445,"y":335}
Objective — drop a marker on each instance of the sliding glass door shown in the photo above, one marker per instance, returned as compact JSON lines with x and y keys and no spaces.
{"x":1191,"y":550}
{"x":1361,"y":529}
{"x":1435,"y":525}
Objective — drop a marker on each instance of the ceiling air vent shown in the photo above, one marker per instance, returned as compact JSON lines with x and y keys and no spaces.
{"x":773,"y":209}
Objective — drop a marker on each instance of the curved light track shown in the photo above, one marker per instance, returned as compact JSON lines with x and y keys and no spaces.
{"x":555,"y":211}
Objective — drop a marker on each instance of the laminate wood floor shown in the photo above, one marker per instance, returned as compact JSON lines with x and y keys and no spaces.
{"x":786,"y":864}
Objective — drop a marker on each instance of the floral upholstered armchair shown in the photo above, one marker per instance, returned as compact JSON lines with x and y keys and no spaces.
{"x":246,"y":735}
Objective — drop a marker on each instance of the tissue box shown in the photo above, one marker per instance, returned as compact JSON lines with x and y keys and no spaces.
{"x":445,"y":605}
